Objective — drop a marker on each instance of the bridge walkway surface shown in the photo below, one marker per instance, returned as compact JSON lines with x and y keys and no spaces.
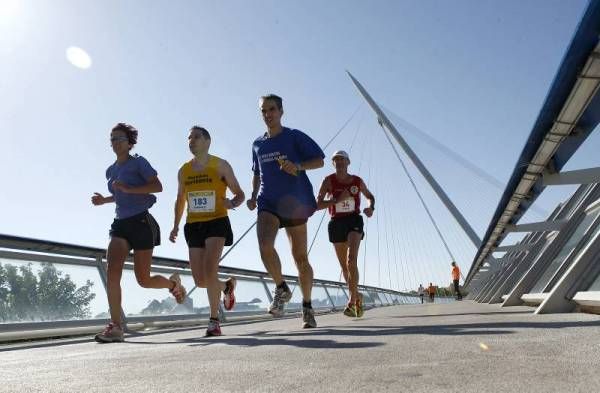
{"x":455,"y":347}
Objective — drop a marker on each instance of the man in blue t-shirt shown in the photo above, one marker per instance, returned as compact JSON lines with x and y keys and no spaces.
{"x":285,"y":199}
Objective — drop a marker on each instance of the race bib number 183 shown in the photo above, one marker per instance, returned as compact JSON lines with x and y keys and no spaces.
{"x":201,"y":201}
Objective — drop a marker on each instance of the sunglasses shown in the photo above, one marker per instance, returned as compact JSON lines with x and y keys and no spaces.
{"x":118,"y":139}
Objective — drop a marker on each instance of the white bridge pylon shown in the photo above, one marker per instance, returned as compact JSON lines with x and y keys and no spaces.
{"x":389,"y":126}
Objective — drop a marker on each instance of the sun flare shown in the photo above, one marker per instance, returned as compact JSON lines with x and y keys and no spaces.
{"x":78,"y":57}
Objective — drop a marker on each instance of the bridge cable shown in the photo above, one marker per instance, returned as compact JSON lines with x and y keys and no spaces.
{"x":387,"y":241}
{"x":412,"y":182}
{"x":467,"y":164}
{"x":378,"y":250}
{"x":364,"y":275}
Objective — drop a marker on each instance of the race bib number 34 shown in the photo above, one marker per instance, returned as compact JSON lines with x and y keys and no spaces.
{"x":201,"y":201}
{"x":345,"y":206}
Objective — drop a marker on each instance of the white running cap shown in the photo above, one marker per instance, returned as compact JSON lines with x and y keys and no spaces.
{"x":340,"y":153}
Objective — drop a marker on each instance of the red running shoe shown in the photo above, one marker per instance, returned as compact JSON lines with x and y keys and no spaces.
{"x":228,"y":293}
{"x":213,"y":329}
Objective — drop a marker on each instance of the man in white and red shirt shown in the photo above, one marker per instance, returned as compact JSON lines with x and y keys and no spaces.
{"x":346,"y":226}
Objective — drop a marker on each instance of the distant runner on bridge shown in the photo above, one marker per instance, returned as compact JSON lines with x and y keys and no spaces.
{"x":431,"y":289}
{"x":421,"y":292}
{"x":131,"y":181}
{"x":346,"y":225}
{"x":203,"y":182}
{"x":285,"y":199}
{"x":455,"y":280}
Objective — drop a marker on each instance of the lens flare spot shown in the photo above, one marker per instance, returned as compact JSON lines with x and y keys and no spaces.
{"x":79,"y":58}
{"x":9,"y":9}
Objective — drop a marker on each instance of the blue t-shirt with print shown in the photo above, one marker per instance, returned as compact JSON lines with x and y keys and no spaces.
{"x":134,"y":172}
{"x":281,"y":193}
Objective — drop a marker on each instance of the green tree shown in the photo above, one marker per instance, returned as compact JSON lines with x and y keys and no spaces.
{"x":59,"y":298}
{"x":4,"y":291}
{"x":47,"y":296}
{"x":21,"y":298}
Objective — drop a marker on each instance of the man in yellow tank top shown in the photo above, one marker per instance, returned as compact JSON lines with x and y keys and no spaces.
{"x":203,"y":183}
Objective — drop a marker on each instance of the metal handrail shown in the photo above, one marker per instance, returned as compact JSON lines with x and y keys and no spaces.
{"x":65,"y":249}
{"x":27,"y":249}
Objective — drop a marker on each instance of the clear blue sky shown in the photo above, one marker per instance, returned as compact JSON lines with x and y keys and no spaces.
{"x":473,"y":74}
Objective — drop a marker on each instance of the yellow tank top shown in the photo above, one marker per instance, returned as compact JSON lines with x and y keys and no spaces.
{"x":204,"y":191}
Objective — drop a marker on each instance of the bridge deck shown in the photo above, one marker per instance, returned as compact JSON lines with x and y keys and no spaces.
{"x":462,"y":347}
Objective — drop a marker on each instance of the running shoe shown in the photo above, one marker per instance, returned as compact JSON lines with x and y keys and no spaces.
{"x":178,"y":291}
{"x":280,"y":297}
{"x":213,"y":329}
{"x":350,"y":311}
{"x":308,"y":318}
{"x":112,"y":333}
{"x":360,"y":311}
{"x":228,"y":294}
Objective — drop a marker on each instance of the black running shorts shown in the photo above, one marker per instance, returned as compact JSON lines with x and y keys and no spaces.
{"x":196,"y":233}
{"x":340,"y":227}
{"x":141,"y":231}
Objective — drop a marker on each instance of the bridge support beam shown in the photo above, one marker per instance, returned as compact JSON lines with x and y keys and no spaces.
{"x":580,"y":274}
{"x":518,"y":269}
{"x":537,"y":226}
{"x":545,"y":258}
{"x":581,"y":176}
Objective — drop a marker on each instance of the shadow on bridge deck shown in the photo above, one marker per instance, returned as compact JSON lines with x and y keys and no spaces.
{"x":431,"y":347}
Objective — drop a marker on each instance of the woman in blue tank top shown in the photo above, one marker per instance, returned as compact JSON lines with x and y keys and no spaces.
{"x":132,"y":182}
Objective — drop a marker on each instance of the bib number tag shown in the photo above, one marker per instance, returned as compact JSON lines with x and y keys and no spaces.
{"x":345,"y":206}
{"x":201,"y":201}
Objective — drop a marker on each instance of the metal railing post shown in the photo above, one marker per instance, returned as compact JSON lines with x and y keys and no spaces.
{"x":330,"y":298}
{"x":269,"y":296}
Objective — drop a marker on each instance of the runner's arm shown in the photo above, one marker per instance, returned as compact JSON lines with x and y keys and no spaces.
{"x":365,"y":191}
{"x":323,"y":191}
{"x":233,"y":184}
{"x":251,"y":203}
{"x":368,"y":194}
{"x":314,"y":163}
{"x":255,"y":186}
{"x":98,"y":199}
{"x":179,"y":206}
{"x":152,"y":186}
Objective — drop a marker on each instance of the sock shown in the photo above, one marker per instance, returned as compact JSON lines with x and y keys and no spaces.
{"x":284,"y":286}
{"x":307,"y":304}
{"x":214,"y":319}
